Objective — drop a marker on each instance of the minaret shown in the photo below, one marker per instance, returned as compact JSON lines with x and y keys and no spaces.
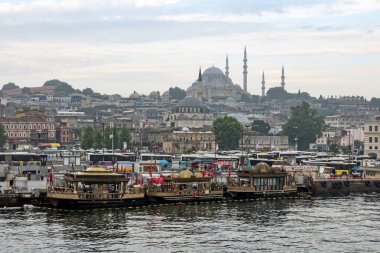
{"x":263,"y":86}
{"x":283,"y":78}
{"x":227,"y":68}
{"x":200,"y":86}
{"x":245,"y":69}
{"x":200,"y":75}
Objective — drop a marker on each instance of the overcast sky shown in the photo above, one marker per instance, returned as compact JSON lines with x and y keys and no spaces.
{"x":121,"y":46}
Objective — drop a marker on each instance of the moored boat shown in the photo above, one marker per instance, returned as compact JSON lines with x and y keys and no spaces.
{"x":261,"y":181}
{"x":94,"y":188}
{"x":185,"y":187}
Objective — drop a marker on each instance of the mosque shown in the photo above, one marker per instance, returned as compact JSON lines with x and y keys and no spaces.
{"x":213,"y":86}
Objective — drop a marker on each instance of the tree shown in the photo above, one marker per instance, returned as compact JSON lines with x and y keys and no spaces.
{"x":88,"y":92}
{"x":62,"y":88}
{"x":305,"y":124}
{"x":228,"y":132}
{"x":98,"y":142}
{"x":124,"y":136}
{"x":87,"y":139}
{"x":177,"y":93}
{"x":3,"y":136}
{"x":10,"y":86}
{"x":260,"y":126}
{"x":26,"y":91}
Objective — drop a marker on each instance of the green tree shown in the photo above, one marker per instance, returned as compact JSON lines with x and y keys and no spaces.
{"x":124,"y":136}
{"x":277,"y":93}
{"x":228,"y":132}
{"x":98,"y":142}
{"x":260,"y":126}
{"x":26,"y":91}
{"x":88,"y":92}
{"x":62,"y":88}
{"x":87,"y":139}
{"x":3,"y":136}
{"x":177,"y":93}
{"x":10,"y":86}
{"x":305,"y":124}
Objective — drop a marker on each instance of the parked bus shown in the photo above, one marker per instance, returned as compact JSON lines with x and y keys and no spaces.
{"x":336,"y":168}
{"x":23,"y":158}
{"x":161,"y":159}
{"x":109,"y":158}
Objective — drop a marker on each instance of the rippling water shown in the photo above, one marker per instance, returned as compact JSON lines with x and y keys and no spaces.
{"x":345,"y":224}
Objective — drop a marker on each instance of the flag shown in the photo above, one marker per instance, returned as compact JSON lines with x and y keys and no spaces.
{"x":51,"y":175}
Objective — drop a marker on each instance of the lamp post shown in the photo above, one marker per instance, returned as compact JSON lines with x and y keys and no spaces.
{"x":103,"y":142}
{"x":296,"y":138}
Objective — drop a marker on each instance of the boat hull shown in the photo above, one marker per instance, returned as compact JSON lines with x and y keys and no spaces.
{"x":339,"y":186}
{"x":173,"y":197}
{"x":74,"y":202}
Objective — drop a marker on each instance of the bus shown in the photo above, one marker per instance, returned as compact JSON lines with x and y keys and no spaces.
{"x":109,"y":158}
{"x":161,"y":159}
{"x":189,"y":159}
{"x":23,"y":158}
{"x":336,"y":168}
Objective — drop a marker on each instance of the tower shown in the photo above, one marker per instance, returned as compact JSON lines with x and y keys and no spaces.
{"x":245,"y":69}
{"x":263,"y":86}
{"x":283,"y":78}
{"x":200,"y":86}
{"x":227,"y":68}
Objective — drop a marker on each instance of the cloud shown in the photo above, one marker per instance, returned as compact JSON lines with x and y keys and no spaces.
{"x":337,"y":8}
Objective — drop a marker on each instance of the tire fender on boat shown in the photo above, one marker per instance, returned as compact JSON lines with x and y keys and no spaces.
{"x":347,"y":183}
{"x":323,"y":183}
{"x":377,"y":183}
{"x":367,"y":183}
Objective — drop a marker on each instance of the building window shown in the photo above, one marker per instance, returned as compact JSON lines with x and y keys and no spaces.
{"x":370,"y":128}
{"x":375,"y":147}
{"x":370,"y":147}
{"x":370,"y":139}
{"x":376,"y":128}
{"x":376,"y":139}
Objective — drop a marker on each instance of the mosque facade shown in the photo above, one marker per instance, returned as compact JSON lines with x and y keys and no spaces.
{"x":215,"y":86}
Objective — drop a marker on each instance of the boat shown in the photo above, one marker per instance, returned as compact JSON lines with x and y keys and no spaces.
{"x":184,"y":187}
{"x":362,"y":180}
{"x":261,"y":181}
{"x":94,"y":188}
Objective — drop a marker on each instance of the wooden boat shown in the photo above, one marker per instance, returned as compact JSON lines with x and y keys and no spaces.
{"x":261,"y":181}
{"x":184,"y":187}
{"x":94,"y":188}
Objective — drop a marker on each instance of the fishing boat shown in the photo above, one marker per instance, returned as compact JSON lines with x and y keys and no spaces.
{"x":185,"y":187}
{"x":261,"y":181}
{"x":94,"y":188}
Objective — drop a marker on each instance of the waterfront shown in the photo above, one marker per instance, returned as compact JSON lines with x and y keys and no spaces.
{"x":346,"y":224}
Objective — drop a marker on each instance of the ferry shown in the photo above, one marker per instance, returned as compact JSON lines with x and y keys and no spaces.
{"x":94,"y":188}
{"x":184,"y":187}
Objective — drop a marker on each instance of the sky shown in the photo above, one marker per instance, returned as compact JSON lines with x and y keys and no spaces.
{"x":121,"y":46}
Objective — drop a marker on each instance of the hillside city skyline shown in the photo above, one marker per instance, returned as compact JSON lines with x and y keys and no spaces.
{"x":327,"y":47}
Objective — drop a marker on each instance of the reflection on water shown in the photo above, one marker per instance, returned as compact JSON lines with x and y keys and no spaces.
{"x":346,"y":224}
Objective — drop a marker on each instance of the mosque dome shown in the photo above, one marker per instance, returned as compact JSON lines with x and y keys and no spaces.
{"x":212,"y":71}
{"x":134,"y":95}
{"x":190,"y":102}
